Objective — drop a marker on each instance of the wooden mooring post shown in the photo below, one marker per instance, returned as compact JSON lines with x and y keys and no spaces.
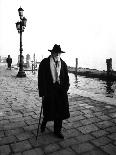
{"x":33,"y":64}
{"x":76,"y":68}
{"x":109,"y":66}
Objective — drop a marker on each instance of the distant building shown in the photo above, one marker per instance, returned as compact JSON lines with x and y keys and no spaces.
{"x":28,"y":60}
{"x":3,"y":59}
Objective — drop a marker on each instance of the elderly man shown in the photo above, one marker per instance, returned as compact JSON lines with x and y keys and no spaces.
{"x":53,"y":84}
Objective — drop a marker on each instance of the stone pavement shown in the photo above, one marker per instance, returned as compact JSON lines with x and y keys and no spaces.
{"x":91,"y":129}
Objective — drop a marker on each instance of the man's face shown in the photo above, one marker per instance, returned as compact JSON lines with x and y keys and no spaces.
{"x":56,"y":56}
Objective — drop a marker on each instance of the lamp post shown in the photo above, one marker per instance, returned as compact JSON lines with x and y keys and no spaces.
{"x":20,"y":25}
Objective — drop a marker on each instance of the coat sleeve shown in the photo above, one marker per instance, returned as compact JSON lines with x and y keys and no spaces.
{"x":64,"y":78}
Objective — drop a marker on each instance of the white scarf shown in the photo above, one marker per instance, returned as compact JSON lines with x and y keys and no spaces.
{"x":55,"y":70}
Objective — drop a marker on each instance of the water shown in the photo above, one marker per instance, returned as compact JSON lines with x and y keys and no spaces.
{"x":104,"y":91}
{"x":96,"y":89}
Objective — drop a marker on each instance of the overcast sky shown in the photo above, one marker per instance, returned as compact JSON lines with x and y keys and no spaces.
{"x":85,"y":29}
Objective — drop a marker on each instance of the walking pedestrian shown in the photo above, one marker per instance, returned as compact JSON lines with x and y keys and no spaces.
{"x":53,"y":84}
{"x":9,"y":61}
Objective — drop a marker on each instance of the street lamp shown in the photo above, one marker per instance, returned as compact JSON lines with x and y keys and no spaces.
{"x":20,"y":25}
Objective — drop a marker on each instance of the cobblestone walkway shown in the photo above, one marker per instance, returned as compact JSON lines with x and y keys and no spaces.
{"x":91,"y":129}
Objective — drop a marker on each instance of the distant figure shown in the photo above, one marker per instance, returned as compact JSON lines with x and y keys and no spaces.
{"x":53,"y":84}
{"x":9,"y":61}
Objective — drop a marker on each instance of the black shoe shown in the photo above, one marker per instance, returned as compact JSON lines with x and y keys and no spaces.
{"x":59,"y":135}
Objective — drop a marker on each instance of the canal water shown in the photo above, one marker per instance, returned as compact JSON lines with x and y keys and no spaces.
{"x":94,"y":88}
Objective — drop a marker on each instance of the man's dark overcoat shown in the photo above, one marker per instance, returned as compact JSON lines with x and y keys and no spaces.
{"x":55,"y":102}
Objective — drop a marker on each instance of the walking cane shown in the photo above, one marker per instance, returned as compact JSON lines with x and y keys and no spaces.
{"x":39,"y":122}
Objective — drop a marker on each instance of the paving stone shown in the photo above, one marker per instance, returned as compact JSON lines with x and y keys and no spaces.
{"x":112,"y":110}
{"x":30,"y":127}
{"x":113,"y":115}
{"x":36,"y":151}
{"x":86,"y":111}
{"x":98,"y":113}
{"x":16,"y":153}
{"x":1,"y":115}
{"x":89,"y":115}
{"x":7,"y":140}
{"x":39,"y":151}
{"x":71,"y":133}
{"x":95,"y":152}
{"x":14,"y":125}
{"x":77,"y":124}
{"x":64,"y":152}
{"x":31,"y":121}
{"x":86,"y":121}
{"x":51,"y":148}
{"x":3,"y":122}
{"x":89,"y":106}
{"x":81,"y":148}
{"x":75,"y":113}
{"x":112,"y":136}
{"x":76,"y":118}
{"x":21,"y":146}
{"x":105,"y":124}
{"x":24,"y":136}
{"x":15,"y":115}
{"x":99,"y":133}
{"x":114,"y":142}
{"x":68,"y":125}
{"x":34,"y":116}
{"x":88,"y":128}
{"x":104,"y":117}
{"x":1,"y":134}
{"x":29,"y":113}
{"x":4,"y":150}
{"x":111,"y":129}
{"x":44,"y":139}
{"x":90,"y":121}
{"x":19,"y":119}
{"x":68,"y":142}
{"x":34,"y":142}
{"x":108,"y":107}
{"x":114,"y":120}
{"x":110,"y":149}
{"x":84,"y":138}
{"x":101,"y":141}
{"x":14,"y":131}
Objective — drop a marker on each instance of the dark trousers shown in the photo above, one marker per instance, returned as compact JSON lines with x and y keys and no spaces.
{"x":9,"y":65}
{"x":57,"y":124}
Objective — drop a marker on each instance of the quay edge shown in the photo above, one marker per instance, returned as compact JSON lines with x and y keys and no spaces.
{"x":93,"y":73}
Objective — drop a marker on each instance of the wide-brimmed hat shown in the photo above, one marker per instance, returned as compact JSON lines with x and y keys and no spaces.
{"x":56,"y":49}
